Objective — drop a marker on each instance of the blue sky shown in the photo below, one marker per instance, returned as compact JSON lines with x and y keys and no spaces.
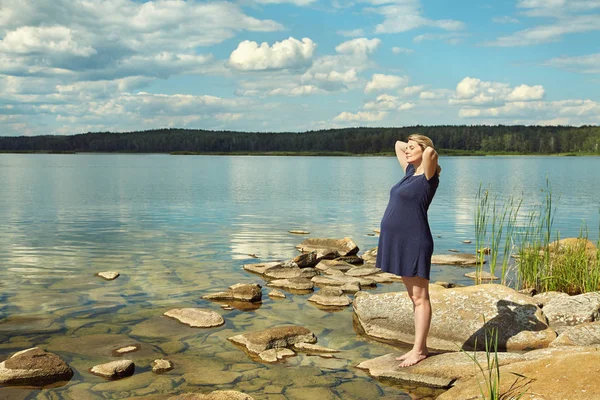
{"x":72,"y":66}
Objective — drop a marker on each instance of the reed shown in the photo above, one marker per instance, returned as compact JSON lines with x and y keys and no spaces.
{"x":542,"y":264}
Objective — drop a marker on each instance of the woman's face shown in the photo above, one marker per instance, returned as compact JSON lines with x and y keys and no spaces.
{"x":413,"y":152}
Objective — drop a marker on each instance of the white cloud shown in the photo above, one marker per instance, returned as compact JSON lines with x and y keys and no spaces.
{"x":569,"y":111}
{"x":588,"y":64}
{"x":505,"y":20}
{"x":435,"y":94}
{"x":51,"y":40}
{"x":410,"y":91}
{"x":450,"y":38}
{"x":295,"y":2}
{"x":303,"y":90}
{"x":352,"y":33}
{"x":360,"y":46}
{"x":385,"y":102}
{"x":477,"y":92}
{"x":401,"y":50}
{"x":289,"y":53}
{"x":380,"y":82}
{"x":405,"y":15}
{"x":361,"y":116}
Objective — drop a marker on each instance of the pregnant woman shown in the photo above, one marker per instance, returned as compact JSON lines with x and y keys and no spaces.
{"x":405,"y":241}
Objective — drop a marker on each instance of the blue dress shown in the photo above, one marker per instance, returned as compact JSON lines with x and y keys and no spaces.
{"x":405,"y":241}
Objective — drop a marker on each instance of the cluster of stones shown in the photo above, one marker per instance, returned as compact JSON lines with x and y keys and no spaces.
{"x":540,"y":337}
{"x":329,"y":264}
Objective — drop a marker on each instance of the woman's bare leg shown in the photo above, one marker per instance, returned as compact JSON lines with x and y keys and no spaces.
{"x":418,"y":290}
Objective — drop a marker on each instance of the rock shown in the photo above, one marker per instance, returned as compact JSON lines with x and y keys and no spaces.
{"x":127,"y":349}
{"x":307,"y":259}
{"x":34,"y":367}
{"x":453,"y":251}
{"x":586,"y":334}
{"x":353,"y":259}
{"x":325,"y":265}
{"x":196,"y":317}
{"x":299,"y":232}
{"x":314,"y":348}
{"x":262,"y":267}
{"x":458,"y":319}
{"x":370,"y":256}
{"x":114,"y":369}
{"x":484,"y":250}
{"x":108,"y":275}
{"x":573,"y":310}
{"x":483,"y":276}
{"x":455,"y":259}
{"x":439,"y":371}
{"x":571,"y":374}
{"x":544,"y":298}
{"x":279,"y":337}
{"x":276,"y":294}
{"x":327,"y":254}
{"x":227,"y":307}
{"x":382,"y":278}
{"x":274,"y":355}
{"x":239,"y":292}
{"x":351,"y":287}
{"x":363,"y":271}
{"x":531,"y":291}
{"x":466,"y":241}
{"x":574,"y":244}
{"x":341,"y":280}
{"x":160,"y":366}
{"x":293,"y":284}
{"x":447,"y":285}
{"x":345,"y":246}
{"x":216,"y":395}
{"x":331,"y":296}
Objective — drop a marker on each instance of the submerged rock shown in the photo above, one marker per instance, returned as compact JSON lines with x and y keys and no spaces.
{"x":276,"y":294}
{"x":314,"y":348}
{"x":34,"y":367}
{"x":274,"y":355}
{"x":483,"y":276}
{"x":462,"y":318}
{"x":160,"y":366}
{"x":239,"y":292}
{"x":196,"y":317}
{"x":216,"y":395}
{"x":108,"y":275}
{"x":114,"y":369}
{"x":344,"y":247}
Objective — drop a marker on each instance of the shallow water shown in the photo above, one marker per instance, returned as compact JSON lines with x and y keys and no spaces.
{"x":177,"y":228}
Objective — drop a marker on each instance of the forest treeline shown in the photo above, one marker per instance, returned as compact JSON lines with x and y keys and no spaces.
{"x":447,"y":139}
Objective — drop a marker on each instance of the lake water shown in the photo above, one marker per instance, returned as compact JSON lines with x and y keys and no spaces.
{"x":179,"y":227}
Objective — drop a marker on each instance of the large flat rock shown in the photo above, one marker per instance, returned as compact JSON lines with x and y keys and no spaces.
{"x":455,"y":259}
{"x":554,"y":374}
{"x":196,"y":317}
{"x":440,"y":371}
{"x":461,"y":318}
{"x":278,"y":337}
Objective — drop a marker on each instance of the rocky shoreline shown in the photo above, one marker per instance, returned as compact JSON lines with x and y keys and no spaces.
{"x":533,"y":330}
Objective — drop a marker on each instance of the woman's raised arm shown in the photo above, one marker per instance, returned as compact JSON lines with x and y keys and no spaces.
{"x":400,"y":149}
{"x":430,"y":162}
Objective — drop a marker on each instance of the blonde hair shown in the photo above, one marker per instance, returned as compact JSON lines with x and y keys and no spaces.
{"x":424,"y":142}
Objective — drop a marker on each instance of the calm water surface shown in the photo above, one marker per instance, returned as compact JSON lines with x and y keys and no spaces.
{"x":179,"y":227}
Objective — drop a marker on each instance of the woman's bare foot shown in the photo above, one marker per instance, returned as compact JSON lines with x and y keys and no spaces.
{"x":404,"y":356}
{"x":413,"y":358}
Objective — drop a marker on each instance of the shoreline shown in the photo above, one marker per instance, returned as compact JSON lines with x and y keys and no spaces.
{"x":445,"y":153}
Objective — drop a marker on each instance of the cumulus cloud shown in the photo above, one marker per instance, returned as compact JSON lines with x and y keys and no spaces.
{"x":381,"y":82}
{"x":361,"y":116}
{"x":450,"y":38}
{"x":386,"y":102}
{"x":478,"y":92}
{"x":360,"y":46}
{"x":289,"y":53}
{"x":505,"y":20}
